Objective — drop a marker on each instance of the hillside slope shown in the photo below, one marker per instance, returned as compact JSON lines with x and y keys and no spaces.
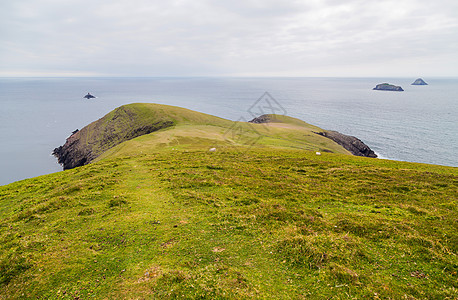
{"x":262,"y":223}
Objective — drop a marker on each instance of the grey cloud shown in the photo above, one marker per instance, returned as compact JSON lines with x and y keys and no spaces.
{"x":184,"y":37}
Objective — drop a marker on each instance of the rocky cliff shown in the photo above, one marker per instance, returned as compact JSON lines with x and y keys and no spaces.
{"x":122,"y":124}
{"x":351,"y":143}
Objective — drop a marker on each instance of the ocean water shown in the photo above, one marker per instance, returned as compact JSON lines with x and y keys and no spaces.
{"x":418,"y":125}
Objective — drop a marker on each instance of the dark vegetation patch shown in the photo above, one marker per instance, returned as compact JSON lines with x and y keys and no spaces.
{"x":117,"y":201}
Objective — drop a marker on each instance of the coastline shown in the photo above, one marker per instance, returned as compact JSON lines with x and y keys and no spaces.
{"x":37,"y":120}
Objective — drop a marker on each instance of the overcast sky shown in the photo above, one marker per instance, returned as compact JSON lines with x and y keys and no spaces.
{"x":229,"y":38}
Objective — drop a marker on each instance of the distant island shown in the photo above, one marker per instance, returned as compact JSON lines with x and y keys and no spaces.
{"x":89,"y":96}
{"x":419,"y":81}
{"x":388,"y":87}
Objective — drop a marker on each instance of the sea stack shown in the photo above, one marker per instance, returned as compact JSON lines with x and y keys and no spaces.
{"x":388,"y":87}
{"x":89,"y":96}
{"x":419,"y":81}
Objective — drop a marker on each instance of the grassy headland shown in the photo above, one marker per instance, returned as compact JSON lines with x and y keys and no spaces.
{"x":160,"y":216}
{"x":176,"y":126}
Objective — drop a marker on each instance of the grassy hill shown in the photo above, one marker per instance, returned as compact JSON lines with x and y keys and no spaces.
{"x":159,"y":216}
{"x":180,"y":127}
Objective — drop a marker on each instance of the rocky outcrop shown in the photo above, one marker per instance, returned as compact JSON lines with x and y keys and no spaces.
{"x":419,"y":81}
{"x":262,"y":119}
{"x":75,"y":152}
{"x":350,"y":143}
{"x":388,"y":87}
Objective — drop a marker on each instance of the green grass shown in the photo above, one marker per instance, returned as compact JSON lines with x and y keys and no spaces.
{"x":151,"y":222}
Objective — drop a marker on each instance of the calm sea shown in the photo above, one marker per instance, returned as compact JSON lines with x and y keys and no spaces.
{"x":419,"y":124}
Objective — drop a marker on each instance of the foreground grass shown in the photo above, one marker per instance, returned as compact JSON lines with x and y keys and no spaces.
{"x":231,"y":224}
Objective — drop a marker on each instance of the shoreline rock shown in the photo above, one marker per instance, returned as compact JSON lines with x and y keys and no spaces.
{"x":350,"y":143}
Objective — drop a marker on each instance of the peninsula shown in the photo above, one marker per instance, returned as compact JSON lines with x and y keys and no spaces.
{"x":130,"y":121}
